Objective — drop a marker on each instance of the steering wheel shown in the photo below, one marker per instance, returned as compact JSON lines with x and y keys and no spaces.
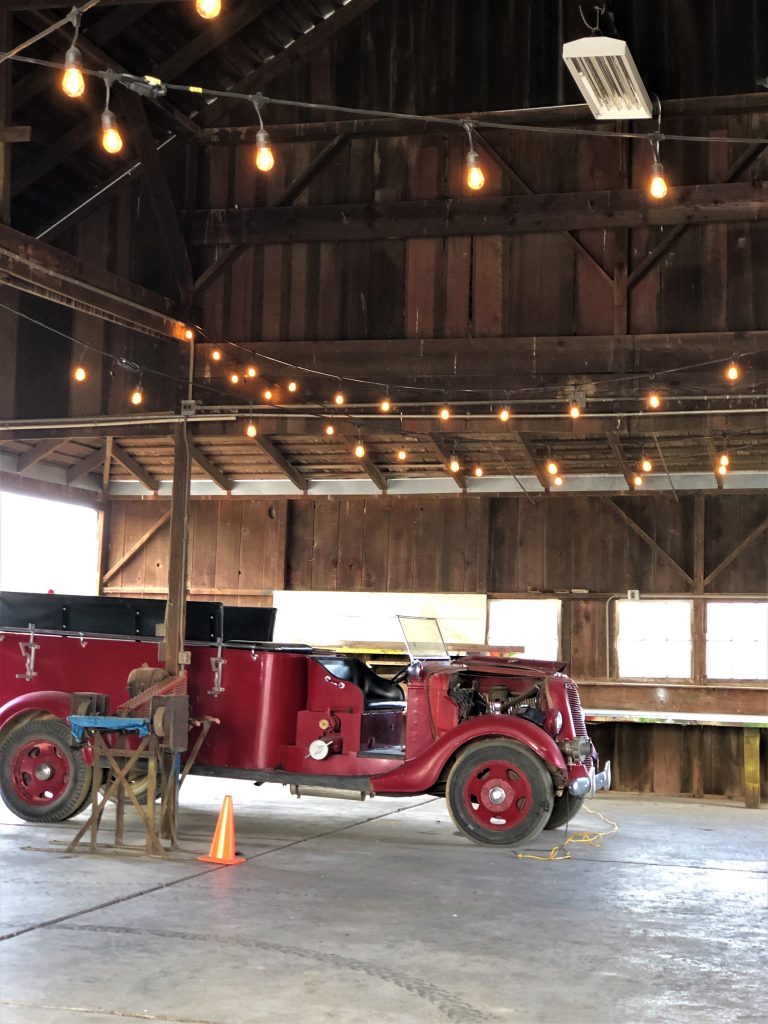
{"x":400,"y":677}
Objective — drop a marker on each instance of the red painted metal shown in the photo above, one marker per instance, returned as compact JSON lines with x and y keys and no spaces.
{"x":28,"y":705}
{"x":39,"y":772}
{"x":498,"y":795}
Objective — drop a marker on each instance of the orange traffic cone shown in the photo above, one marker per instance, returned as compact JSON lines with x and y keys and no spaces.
{"x":223,"y":845}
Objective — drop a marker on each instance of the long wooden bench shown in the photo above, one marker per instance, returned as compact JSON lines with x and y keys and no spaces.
{"x":749,"y":724}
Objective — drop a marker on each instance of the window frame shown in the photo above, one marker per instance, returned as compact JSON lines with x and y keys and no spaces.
{"x":728,"y":680}
{"x":619,"y":676}
{"x":530,"y":599}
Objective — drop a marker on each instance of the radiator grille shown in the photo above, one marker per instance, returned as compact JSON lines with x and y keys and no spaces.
{"x":577,"y":715}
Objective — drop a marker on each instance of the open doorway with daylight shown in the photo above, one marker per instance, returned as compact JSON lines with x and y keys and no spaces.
{"x":47,"y":545}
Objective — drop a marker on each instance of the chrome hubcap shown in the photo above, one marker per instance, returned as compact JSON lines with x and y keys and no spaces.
{"x":43,"y":772}
{"x":497,"y":795}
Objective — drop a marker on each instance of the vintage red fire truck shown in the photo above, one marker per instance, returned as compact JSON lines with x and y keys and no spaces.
{"x":502,"y":738}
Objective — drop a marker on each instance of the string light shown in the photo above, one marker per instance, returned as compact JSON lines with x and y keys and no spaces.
{"x":208,"y":9}
{"x":558,"y":481}
{"x":732,"y":371}
{"x":111,"y":139}
{"x":80,"y":374}
{"x":574,"y":410}
{"x":251,"y":372}
{"x":137,"y":396}
{"x":265,"y":158}
{"x":73,"y":81}
{"x":267,"y":393}
{"x":637,"y":480}
{"x":453,"y":465}
{"x":504,"y":414}
{"x":330,"y":429}
{"x":234,"y":377}
{"x":445,"y":413}
{"x":657,"y":185}
{"x":385,"y":405}
{"x":402,"y":455}
{"x":360,"y":450}
{"x":722,"y":469}
{"x":293,"y":387}
{"x":653,"y":400}
{"x":646,"y":465}
{"x":475,"y":176}
{"x":339,"y":398}
{"x":725,"y":459}
{"x":478,"y":470}
{"x":552,"y":468}
{"x":189,"y":334}
{"x":216,"y":355}
{"x":251,"y":430}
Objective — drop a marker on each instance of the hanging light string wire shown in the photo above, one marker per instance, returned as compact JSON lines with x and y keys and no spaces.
{"x":73,"y":18}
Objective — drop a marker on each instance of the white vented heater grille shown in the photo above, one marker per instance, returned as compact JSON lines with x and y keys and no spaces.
{"x":608,"y":79}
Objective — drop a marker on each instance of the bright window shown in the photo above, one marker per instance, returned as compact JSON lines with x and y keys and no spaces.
{"x":737,"y":640}
{"x":533,"y":625}
{"x":654,"y":639}
{"x":47,"y":545}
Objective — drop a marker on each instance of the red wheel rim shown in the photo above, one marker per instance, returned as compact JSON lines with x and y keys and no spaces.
{"x":40,"y":772}
{"x":498,"y":795}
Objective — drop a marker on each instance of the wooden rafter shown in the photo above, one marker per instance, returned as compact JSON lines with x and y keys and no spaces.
{"x":373,"y":472}
{"x":275,"y":456}
{"x":37,"y":453}
{"x":87,"y":465}
{"x":135,"y":548}
{"x":713,"y":459}
{"x":210,"y":468}
{"x":621,"y":461}
{"x":107,"y":464}
{"x":445,"y":455}
{"x":488,"y":215}
{"x":134,"y":467}
{"x":740,"y":548}
{"x":662,"y":554}
{"x":531,"y":460}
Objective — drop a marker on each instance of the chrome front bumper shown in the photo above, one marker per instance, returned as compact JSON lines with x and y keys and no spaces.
{"x":593,"y":782}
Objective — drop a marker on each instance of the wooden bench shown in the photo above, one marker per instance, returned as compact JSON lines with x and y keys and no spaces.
{"x":749,"y":724}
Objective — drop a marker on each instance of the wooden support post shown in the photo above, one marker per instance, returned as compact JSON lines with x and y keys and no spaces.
{"x":699,"y":635}
{"x":175,"y":609}
{"x":751,"y":767}
{"x":5,"y":113}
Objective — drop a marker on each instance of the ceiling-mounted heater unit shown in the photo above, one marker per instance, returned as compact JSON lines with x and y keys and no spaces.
{"x":608,"y":79}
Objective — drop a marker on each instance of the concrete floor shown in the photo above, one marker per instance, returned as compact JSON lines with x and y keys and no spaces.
{"x":380,"y":912}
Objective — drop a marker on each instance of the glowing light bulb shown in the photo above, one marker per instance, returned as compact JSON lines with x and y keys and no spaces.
{"x":385,"y":405}
{"x":80,"y":373}
{"x":339,"y":398}
{"x":402,"y":455}
{"x":732,"y":371}
{"x":454,"y":465}
{"x":268,"y":394}
{"x":478,"y":470}
{"x":216,"y":355}
{"x":250,"y":430}
{"x":725,"y":459}
{"x":234,"y":377}
{"x":111,"y":139}
{"x":552,"y":468}
{"x":558,"y":481}
{"x":637,"y":480}
{"x":293,"y":387}
{"x":208,"y":8}
{"x":475,"y":176}
{"x":646,"y":465}
{"x":137,"y":396}
{"x":330,"y":429}
{"x":189,"y":334}
{"x":657,"y":186}
{"x":265,"y":158}
{"x":654,"y":400}
{"x":504,"y":415}
{"x":359,"y":450}
{"x":72,"y":81}
{"x":251,"y":372}
{"x":574,"y":411}
{"x":445,"y":413}
{"x":722,"y":470}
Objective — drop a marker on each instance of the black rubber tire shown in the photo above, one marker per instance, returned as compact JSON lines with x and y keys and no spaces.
{"x":523,"y":764}
{"x":74,"y":795}
{"x":566,"y":807}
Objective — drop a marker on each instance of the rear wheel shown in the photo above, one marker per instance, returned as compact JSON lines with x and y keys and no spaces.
{"x":499,"y":793}
{"x":43,"y":778}
{"x":566,"y":807}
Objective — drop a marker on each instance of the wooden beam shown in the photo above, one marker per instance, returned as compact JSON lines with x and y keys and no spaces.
{"x":171,"y":238}
{"x":715,"y":463}
{"x":15,"y":133}
{"x":618,"y":453}
{"x":533,"y":464}
{"x":665,"y":467}
{"x":740,"y":548}
{"x":487,"y":215}
{"x":135,"y":468}
{"x":275,"y":456}
{"x":507,"y":169}
{"x":38,"y":452}
{"x":176,"y":605}
{"x":285,"y":198}
{"x":210,"y":468}
{"x":445,"y":455}
{"x":30,"y":265}
{"x":86,"y":465}
{"x":652,"y":544}
{"x":135,"y":548}
{"x":6,"y":37}
{"x":107,"y":463}
{"x":373,"y":472}
{"x":751,"y":740}
{"x":670,"y":237}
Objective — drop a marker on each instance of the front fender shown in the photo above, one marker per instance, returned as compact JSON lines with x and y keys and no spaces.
{"x":421,"y":773}
{"x":43,"y":702}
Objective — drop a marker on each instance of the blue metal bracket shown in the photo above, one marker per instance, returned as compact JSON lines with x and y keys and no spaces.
{"x":107,"y":723}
